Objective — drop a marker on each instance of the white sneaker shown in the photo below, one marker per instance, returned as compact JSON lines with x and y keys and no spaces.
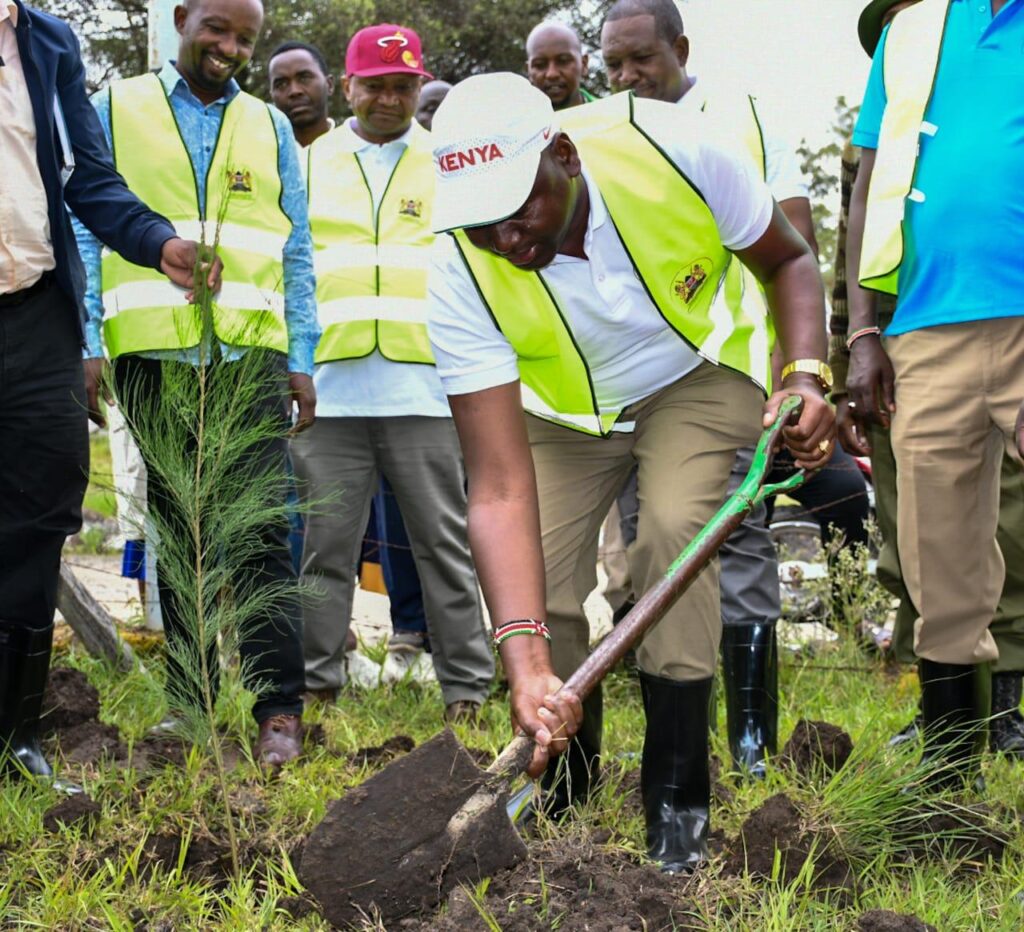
{"x":361,"y":671}
{"x":400,"y":665}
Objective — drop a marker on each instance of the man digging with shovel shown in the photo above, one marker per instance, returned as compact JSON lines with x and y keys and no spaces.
{"x":583,"y":280}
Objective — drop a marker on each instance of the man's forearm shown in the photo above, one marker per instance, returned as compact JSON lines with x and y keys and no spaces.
{"x":797,"y":302}
{"x":861,"y":302}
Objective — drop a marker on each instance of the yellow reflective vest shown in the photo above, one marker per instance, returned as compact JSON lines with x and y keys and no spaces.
{"x":242,"y":216}
{"x":672,"y":240}
{"x":371,"y":268}
{"x":912,"y":49}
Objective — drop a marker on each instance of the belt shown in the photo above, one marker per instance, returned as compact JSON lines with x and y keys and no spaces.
{"x":14,"y":298}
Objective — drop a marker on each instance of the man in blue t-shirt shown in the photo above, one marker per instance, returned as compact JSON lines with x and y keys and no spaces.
{"x":949,"y":372}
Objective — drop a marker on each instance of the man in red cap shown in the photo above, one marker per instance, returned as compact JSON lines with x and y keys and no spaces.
{"x":383,"y":412}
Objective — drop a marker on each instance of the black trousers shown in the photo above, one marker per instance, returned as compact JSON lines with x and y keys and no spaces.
{"x":44,"y":449}
{"x":271,"y":645}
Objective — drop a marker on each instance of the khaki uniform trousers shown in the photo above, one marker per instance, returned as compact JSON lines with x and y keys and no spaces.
{"x":958,"y":390}
{"x":684,"y":442}
{"x":1008,"y":625}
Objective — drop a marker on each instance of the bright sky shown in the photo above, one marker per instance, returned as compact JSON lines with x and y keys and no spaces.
{"x":797,"y":56}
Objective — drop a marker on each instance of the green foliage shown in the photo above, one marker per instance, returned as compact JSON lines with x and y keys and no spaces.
{"x":821,"y":168}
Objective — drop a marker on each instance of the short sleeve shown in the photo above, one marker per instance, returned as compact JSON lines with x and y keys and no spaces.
{"x":471,"y":352}
{"x":869,"y":121}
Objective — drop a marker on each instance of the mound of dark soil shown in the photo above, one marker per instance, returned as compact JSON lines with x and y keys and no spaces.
{"x":383,"y":753}
{"x":79,"y":809}
{"x":93,"y":742}
{"x":593,"y":889}
{"x":882,"y":920}
{"x":777,"y":825}
{"x":816,"y":748}
{"x":70,"y":700}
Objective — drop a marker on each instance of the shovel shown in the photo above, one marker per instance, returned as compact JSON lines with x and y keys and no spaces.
{"x":399,"y":842}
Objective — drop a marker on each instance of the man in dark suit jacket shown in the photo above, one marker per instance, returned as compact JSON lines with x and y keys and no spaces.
{"x":55,"y":154}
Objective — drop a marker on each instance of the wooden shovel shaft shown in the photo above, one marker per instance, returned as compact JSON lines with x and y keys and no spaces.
{"x":654,"y":603}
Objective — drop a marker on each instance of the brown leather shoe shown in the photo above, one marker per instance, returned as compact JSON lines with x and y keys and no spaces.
{"x":462,"y":712}
{"x":279,"y":740}
{"x":327,"y":696}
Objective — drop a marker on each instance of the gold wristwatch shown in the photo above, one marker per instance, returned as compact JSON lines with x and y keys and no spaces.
{"x":820,"y":370}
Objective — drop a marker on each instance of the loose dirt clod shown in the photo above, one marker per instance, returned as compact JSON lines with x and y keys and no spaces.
{"x":382,"y":753}
{"x":882,"y":920}
{"x":70,"y":700}
{"x":367,"y":834}
{"x":75,"y":810}
{"x":777,"y":824}
{"x":91,"y":743}
{"x":817,"y":747}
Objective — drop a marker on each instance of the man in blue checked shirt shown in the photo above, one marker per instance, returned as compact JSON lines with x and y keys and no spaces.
{"x":217,"y":162}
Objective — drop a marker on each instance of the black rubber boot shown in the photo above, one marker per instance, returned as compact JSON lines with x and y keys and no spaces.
{"x":909,"y":732}
{"x":674,"y":776}
{"x":750,"y":668}
{"x":954,"y":706}
{"x":570,"y":778}
{"x":1006,"y":728}
{"x":24,"y":665}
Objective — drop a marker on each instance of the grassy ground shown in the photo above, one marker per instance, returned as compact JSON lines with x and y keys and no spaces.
{"x":112,"y":877}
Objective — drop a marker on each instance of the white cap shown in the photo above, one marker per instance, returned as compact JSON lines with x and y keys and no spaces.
{"x":488,"y":134}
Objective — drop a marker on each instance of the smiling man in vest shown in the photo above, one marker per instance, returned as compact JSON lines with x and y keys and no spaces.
{"x":584,"y":281}
{"x":190,"y":140}
{"x":382,"y":409}
{"x":54,"y":157}
{"x":938,"y":225}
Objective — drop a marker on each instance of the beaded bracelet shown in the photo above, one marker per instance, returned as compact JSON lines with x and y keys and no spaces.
{"x":864,"y":332}
{"x":520,"y":626}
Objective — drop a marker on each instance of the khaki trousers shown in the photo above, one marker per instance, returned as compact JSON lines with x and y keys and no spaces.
{"x":958,"y":389}
{"x":684,"y":442}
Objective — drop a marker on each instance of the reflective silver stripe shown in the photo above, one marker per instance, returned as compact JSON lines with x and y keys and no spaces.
{"x":233,"y":236}
{"x":366,"y":254}
{"x":372,"y":307}
{"x":132,"y":295}
{"x":533,"y":403}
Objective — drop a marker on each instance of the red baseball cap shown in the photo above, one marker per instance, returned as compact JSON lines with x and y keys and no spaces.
{"x":384,"y":49}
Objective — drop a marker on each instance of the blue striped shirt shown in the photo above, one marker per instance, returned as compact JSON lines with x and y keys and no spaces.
{"x":200,"y":126}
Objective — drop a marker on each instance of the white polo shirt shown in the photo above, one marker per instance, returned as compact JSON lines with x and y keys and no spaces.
{"x":374,"y":386}
{"x":629,"y":348}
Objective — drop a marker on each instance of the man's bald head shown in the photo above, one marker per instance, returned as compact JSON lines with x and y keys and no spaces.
{"x":555,"y":63}
{"x":668,"y":21}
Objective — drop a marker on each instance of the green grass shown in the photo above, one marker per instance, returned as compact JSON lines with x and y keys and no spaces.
{"x":99,"y":496}
{"x":69,"y":880}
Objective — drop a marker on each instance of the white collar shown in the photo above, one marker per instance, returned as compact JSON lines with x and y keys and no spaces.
{"x":353,"y":142}
{"x":9,"y":10}
{"x":694,"y":99}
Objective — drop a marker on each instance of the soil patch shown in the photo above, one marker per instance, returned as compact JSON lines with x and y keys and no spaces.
{"x":91,"y":743}
{"x":815,"y":748}
{"x":777,"y":825}
{"x":70,"y":700}
{"x":882,"y":920}
{"x":382,"y":753}
{"x":204,"y":857}
{"x":79,"y":809}
{"x":158,"y":751}
{"x":601,"y":890}
{"x":384,"y":845}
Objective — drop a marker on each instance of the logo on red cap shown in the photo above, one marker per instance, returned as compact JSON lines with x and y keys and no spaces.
{"x":391,"y":47}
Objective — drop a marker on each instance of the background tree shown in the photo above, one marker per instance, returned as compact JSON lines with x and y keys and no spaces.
{"x":460,"y":37}
{"x":821,"y":168}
